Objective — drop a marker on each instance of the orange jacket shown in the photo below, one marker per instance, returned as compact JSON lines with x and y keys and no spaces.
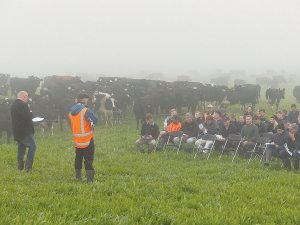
{"x":82,"y":130}
{"x":174,"y":127}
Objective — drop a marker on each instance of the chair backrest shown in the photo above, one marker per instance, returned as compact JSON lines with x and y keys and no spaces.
{"x":176,"y":133}
{"x":262,"y":140}
{"x":234,"y":137}
{"x":209,"y":137}
{"x":268,"y":135}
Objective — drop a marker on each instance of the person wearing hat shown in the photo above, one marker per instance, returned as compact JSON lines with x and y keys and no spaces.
{"x":23,"y":130}
{"x":210,"y":112}
{"x":293,"y":148}
{"x":272,"y":127}
{"x":226,"y":129}
{"x":262,"y":126}
{"x":82,"y":120}
{"x":174,"y":126}
{"x":276,"y":144}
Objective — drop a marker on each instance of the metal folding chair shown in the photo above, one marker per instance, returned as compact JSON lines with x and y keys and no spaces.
{"x":207,"y":137}
{"x":231,"y":137}
{"x":173,"y":134}
{"x":259,"y":147}
{"x":268,"y":135}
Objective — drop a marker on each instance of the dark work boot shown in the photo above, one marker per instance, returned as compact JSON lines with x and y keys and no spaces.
{"x":296,"y":164}
{"x":28,"y":165}
{"x":287,"y":164}
{"x":90,"y":176}
{"x":20,"y":165}
{"x":267,"y":157}
{"x":78,"y":175}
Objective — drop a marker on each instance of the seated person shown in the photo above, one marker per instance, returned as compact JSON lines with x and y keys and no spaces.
{"x":284,"y":114}
{"x":210,"y":112}
{"x":223,"y":112}
{"x":149,"y":133}
{"x":190,"y":131}
{"x":232,"y":118}
{"x":286,"y":124}
{"x":209,"y":127}
{"x":241,"y":123}
{"x":164,"y":135}
{"x":168,"y":119}
{"x":250,"y":134}
{"x":263,"y":117}
{"x":293,"y":146}
{"x":272,"y":127}
{"x":279,"y":116}
{"x":293,"y":115}
{"x":249,"y":111}
{"x":197,"y":118}
{"x":262,"y":126}
{"x":227,"y":129}
{"x":278,"y":141}
{"x":218,"y":118}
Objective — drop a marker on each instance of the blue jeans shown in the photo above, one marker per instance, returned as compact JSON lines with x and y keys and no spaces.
{"x":275,"y":152}
{"x":296,"y":154}
{"x":284,"y":155}
{"x":27,"y":141}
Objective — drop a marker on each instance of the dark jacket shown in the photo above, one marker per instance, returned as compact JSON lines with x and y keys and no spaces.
{"x":293,"y":118}
{"x":220,"y":122}
{"x":199,"y":121}
{"x":231,"y":130}
{"x":270,"y":128}
{"x":152,"y":130}
{"x":265,"y":120}
{"x":21,"y":120}
{"x":294,"y":144}
{"x":250,"y":132}
{"x":212,"y":128}
{"x":280,"y":139}
{"x":191,"y":129}
{"x":262,"y":128}
{"x":240,"y":126}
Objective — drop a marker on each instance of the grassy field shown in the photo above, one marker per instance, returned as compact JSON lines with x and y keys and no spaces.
{"x":157,"y":188}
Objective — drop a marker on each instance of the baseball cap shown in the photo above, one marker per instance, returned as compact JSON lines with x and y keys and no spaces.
{"x":209,"y":106}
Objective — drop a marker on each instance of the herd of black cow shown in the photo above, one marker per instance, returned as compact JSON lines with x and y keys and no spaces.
{"x":111,"y":96}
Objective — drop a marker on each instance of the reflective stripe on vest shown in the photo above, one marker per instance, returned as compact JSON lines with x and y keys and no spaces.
{"x":82,"y":127}
{"x":82,"y":144}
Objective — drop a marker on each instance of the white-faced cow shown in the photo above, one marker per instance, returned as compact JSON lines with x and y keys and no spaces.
{"x":103,"y":103}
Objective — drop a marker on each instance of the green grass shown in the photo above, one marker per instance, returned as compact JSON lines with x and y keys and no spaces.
{"x":131,"y":188}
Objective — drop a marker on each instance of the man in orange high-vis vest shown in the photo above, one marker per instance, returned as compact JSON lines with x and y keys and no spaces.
{"x":82,"y":120}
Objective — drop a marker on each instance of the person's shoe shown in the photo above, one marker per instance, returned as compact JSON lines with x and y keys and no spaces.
{"x":267,"y":157}
{"x":78,"y":174}
{"x":28,"y":165}
{"x":266,"y":164}
{"x":287,"y":164}
{"x":20,"y":165}
{"x":90,"y":176}
{"x":296,"y":164}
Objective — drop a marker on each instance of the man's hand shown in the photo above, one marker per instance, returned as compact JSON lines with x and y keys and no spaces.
{"x":245,"y":142}
{"x":150,"y":137}
{"x":187,"y":136}
{"x":162,"y":132}
{"x":276,"y":146}
{"x":203,"y":129}
{"x":292,"y":136}
{"x":222,"y":139}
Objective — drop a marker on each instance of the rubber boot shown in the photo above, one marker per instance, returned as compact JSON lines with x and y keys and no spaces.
{"x":90,"y":176}
{"x":78,"y":175}
{"x":28,"y":165}
{"x":287,"y":164}
{"x":296,"y":164}
{"x":20,"y":165}
{"x":267,"y":157}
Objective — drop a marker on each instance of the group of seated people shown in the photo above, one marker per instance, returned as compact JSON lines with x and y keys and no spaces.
{"x":284,"y":144}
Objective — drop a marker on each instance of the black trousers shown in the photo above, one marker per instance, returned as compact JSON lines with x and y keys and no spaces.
{"x":88,"y":155}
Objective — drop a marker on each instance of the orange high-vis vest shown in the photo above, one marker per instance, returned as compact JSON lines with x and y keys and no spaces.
{"x":82,"y":130}
{"x":174,"y":127}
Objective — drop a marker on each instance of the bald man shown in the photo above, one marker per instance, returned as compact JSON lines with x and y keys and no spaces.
{"x":23,"y":130}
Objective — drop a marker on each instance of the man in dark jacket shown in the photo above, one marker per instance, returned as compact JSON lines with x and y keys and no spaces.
{"x":190,"y":131}
{"x":23,"y":130}
{"x":262,"y":126}
{"x":263,"y":117}
{"x":226,"y":129}
{"x":293,"y":148}
{"x":149,"y":134}
{"x":277,"y":144}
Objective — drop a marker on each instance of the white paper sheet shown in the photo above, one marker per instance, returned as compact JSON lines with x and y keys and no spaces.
{"x":37,"y":119}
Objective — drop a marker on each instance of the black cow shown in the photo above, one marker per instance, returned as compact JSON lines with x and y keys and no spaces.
{"x":279,"y":79}
{"x":239,"y":82}
{"x":296,"y":93}
{"x":66,"y":80}
{"x":141,"y":107}
{"x":274,"y":96}
{"x":5,"y":117}
{"x":29,"y":85}
{"x":247,"y":94}
{"x":220,"y":80}
{"x":264,"y":81}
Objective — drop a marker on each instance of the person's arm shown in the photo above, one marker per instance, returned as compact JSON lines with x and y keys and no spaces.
{"x":143,"y":130}
{"x":156,"y":131}
{"x":90,"y":115}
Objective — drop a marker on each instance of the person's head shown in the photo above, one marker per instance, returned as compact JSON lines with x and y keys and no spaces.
{"x":286,"y":124}
{"x":257,"y":113}
{"x":197,"y":115}
{"x":256,"y":119}
{"x":293,"y":128}
{"x":223,"y":111}
{"x":284,"y":112}
{"x":210,"y":108}
{"x":23,"y":95}
{"x":209,"y":119}
{"x":242,"y":119}
{"x":226,"y":121}
{"x":294,"y":108}
{"x":218,"y":115}
{"x":173,"y":112}
{"x":82,"y":98}
{"x":188,"y":117}
{"x":280,"y":128}
{"x":248,"y":120}
{"x":175,"y":119}
{"x":232,"y":117}
{"x":249,"y":109}
{"x":262,"y":113}
{"x":149,"y":118}
{"x":273,"y":119}
{"x":279,"y":115}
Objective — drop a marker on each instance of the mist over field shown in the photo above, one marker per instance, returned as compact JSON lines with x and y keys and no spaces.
{"x":135,"y":38}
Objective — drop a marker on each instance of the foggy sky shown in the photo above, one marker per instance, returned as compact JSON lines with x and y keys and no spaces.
{"x":124,"y":37}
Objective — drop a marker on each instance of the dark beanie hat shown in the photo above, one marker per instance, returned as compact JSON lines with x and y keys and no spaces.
{"x":82,"y":96}
{"x":281,"y":126}
{"x":219,"y":112}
